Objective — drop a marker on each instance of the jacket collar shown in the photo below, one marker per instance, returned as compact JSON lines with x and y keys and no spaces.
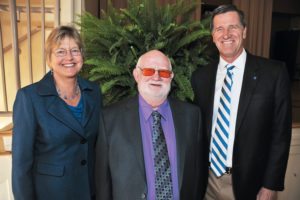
{"x":46,"y":86}
{"x":57,"y":107}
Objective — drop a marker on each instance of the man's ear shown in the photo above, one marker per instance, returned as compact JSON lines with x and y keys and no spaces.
{"x":245,"y":33}
{"x":135,"y":74}
{"x":212,"y":38}
{"x":172,"y":75}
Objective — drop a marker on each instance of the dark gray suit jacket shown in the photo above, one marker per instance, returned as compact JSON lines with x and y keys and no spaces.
{"x":263,"y":127}
{"x":120,"y":170}
{"x":52,"y":152}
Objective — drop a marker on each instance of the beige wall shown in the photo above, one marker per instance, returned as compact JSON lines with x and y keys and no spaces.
{"x":69,"y":10}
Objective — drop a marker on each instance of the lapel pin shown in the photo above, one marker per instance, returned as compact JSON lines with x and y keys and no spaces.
{"x":254,"y":77}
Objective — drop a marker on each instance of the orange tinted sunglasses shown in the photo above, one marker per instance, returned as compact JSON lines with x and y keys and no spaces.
{"x":164,"y":73}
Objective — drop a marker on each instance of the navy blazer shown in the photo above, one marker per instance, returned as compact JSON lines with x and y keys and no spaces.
{"x":52,"y":152}
{"x":263,"y":125}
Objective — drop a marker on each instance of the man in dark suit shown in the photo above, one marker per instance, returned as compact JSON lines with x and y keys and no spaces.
{"x":249,"y":132}
{"x":126,"y":154}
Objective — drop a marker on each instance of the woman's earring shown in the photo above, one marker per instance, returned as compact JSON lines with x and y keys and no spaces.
{"x":51,"y":71}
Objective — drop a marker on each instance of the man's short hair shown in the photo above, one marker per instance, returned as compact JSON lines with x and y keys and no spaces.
{"x":224,"y":9}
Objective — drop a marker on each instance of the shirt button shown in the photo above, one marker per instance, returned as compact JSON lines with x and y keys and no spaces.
{"x":83,"y":141}
{"x":83,"y":162}
{"x":143,"y":196}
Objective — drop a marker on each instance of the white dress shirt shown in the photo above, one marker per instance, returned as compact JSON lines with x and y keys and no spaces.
{"x":238,"y":72}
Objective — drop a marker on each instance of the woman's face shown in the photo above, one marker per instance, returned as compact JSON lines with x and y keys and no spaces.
{"x":66,"y":59}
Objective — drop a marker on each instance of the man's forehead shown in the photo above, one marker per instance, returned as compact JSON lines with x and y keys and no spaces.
{"x":155,"y":62}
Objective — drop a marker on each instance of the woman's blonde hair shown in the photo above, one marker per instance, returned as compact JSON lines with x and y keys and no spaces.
{"x":57,"y":35}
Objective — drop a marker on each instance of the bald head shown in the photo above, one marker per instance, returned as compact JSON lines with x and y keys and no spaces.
{"x":154,"y":58}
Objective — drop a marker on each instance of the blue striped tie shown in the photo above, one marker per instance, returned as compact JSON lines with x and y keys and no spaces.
{"x":220,"y":138}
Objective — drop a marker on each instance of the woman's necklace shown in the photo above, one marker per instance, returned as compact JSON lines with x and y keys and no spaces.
{"x":76,"y":93}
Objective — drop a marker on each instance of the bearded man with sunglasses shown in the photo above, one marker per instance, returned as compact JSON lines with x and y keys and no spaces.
{"x":128,"y":165}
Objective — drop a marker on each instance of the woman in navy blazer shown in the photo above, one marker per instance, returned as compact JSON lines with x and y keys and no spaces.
{"x":55,"y":127}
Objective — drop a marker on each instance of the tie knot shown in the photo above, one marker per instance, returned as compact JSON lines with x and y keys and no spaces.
{"x":229,"y":68}
{"x":156,"y":115}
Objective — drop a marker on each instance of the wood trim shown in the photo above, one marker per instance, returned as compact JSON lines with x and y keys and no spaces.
{"x":5,"y":153}
{"x":21,"y":39}
{"x":296,"y":125}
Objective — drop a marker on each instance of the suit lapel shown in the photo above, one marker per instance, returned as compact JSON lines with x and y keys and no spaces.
{"x":180,"y":139}
{"x":59,"y":110}
{"x":56,"y":107}
{"x":134,"y":131}
{"x":210,"y":96}
{"x":89,"y":106}
{"x":249,"y":83}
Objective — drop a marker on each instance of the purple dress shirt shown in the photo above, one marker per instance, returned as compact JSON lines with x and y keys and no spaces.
{"x":145,"y":111}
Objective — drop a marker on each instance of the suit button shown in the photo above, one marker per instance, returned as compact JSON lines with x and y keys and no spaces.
{"x":83,"y":162}
{"x":143,"y":196}
{"x":83,"y":141}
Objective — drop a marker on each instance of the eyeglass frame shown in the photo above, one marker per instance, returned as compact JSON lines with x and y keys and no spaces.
{"x":156,"y":70}
{"x":77,"y":53}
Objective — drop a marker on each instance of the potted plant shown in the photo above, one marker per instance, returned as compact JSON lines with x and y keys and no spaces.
{"x":114,"y":43}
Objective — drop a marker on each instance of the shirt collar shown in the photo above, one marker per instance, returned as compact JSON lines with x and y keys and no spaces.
{"x":147,"y":109}
{"x":238,"y":63}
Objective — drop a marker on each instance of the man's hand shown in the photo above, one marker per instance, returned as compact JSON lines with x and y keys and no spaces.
{"x":266,"y":194}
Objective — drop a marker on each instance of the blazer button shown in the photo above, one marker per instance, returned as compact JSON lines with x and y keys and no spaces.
{"x":83,"y":141}
{"x":83,"y":162}
{"x":143,"y":196}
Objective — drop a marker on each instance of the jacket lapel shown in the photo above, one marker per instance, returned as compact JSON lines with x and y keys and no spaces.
{"x":56,"y":107}
{"x":210,"y":95}
{"x":249,"y":83}
{"x":59,"y":110}
{"x":180,"y":139}
{"x":89,"y":106}
{"x":88,"y":101}
{"x":134,"y":131}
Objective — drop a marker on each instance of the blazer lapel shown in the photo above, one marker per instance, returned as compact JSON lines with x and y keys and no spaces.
{"x":134,"y":131}
{"x":59,"y":110}
{"x":89,"y":105}
{"x":88,"y":101}
{"x":56,"y":107}
{"x":210,"y":97}
{"x":181,"y":147}
{"x":249,"y":83}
